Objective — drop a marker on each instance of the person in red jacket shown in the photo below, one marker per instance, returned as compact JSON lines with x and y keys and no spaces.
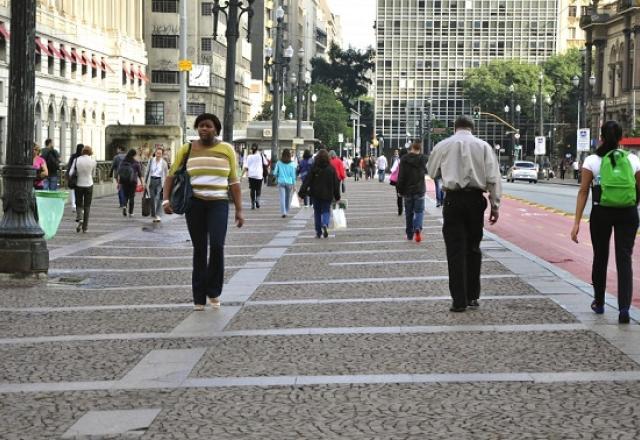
{"x":337,"y":165}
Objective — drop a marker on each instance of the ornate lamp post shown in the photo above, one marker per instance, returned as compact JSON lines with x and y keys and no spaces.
{"x":233,"y":11}
{"x":299,"y":85}
{"x":275,"y":66}
{"x":518,"y":111}
{"x":23,"y":250}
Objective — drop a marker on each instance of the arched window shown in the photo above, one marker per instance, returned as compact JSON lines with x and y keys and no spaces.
{"x":38,"y":125}
{"x":51,"y":122}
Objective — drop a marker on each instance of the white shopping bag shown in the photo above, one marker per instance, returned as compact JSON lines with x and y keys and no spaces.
{"x":339,"y":219}
{"x":295,"y":201}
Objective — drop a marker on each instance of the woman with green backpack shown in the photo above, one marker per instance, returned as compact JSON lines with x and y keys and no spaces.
{"x":613,"y":175}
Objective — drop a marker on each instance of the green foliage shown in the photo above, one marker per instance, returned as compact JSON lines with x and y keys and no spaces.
{"x":330,"y":116}
{"x":437,"y":137}
{"x":347,"y":72}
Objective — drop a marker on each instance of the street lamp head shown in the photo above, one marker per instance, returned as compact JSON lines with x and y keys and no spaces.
{"x":575,"y":81}
{"x":268,"y":52}
{"x":512,"y":88}
{"x":518,"y":108}
{"x":534,"y":99}
{"x":293,"y":79}
{"x":506,"y":109}
{"x":592,"y":80}
{"x":307,"y":77}
{"x":314,"y":98}
{"x":279,"y":13}
{"x":283,"y":108}
{"x":288,"y":52}
{"x":547,"y":99}
{"x":301,"y":53}
{"x":541,"y":77}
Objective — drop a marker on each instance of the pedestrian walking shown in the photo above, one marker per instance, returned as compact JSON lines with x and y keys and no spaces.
{"x":40,"y":165}
{"x":265,"y":168}
{"x":356,"y":169}
{"x":381,"y":164}
{"x":129,"y":177}
{"x":395,"y":171}
{"x":563,"y":168}
{"x":254,"y":165}
{"x":70,"y":163}
{"x":115,"y":164}
{"x":285,"y":173}
{"x":211,"y":165}
{"x":468,"y":168}
{"x":439,"y":192}
{"x":338,"y":166}
{"x":83,"y":168}
{"x":157,"y":171}
{"x":324,"y":187}
{"x":303,"y":170}
{"x":576,"y":168}
{"x":613,"y":176}
{"x":411,"y":186}
{"x":52,"y":157}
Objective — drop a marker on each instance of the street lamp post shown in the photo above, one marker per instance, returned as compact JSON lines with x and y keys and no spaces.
{"x":429,"y":125}
{"x":518,"y":111}
{"x":534,"y":101}
{"x":277,"y":64}
{"x":506,"y":116}
{"x":299,"y":84}
{"x":23,"y":250}
{"x":233,"y":11}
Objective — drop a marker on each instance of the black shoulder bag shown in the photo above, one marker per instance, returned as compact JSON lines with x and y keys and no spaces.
{"x":182,"y":192}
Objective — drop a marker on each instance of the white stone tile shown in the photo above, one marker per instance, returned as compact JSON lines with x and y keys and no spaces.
{"x":119,"y":422}
{"x":162,"y":368}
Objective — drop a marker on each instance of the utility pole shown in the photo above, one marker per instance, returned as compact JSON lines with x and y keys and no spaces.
{"x":429,"y":126}
{"x":358,"y":127}
{"x":233,"y":11}
{"x":276,"y":84}
{"x":23,"y":250}
{"x":183,"y":74}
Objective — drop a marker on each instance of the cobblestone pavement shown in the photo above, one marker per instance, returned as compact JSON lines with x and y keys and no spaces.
{"x":342,"y":338}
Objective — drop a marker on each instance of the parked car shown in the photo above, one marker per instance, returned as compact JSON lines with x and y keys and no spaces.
{"x":523,"y":170}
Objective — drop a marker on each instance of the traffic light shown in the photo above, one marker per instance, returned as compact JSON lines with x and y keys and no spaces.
{"x":476,"y":112}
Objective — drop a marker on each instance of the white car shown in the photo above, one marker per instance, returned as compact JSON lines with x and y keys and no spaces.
{"x":523,"y":170}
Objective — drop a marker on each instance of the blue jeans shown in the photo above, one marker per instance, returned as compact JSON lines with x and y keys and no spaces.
{"x":381,"y":175}
{"x":285,"y":197}
{"x":51,"y":183}
{"x":122,"y":198}
{"x":414,"y":213}
{"x":321,"y":214}
{"x":207,"y":224}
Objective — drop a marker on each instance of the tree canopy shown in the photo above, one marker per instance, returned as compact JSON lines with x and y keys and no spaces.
{"x":330,"y":116}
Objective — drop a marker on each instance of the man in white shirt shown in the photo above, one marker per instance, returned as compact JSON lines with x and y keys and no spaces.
{"x":253,"y":166}
{"x":468,"y":168}
{"x":381,"y":164}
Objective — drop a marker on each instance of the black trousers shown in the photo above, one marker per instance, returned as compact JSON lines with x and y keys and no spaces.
{"x":463,"y":214}
{"x":207,"y":224}
{"x":84,"y":195}
{"x":624,"y":223}
{"x":130,"y":195}
{"x":255,"y":189}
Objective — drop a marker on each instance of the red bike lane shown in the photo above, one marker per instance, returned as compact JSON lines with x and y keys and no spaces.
{"x":546,"y":234}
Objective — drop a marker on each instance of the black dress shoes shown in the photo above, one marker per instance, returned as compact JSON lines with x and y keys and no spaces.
{"x":473,"y":303}
{"x":457,"y":309}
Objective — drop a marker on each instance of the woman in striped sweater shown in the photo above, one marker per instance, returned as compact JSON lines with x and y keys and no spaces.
{"x":212,"y":166}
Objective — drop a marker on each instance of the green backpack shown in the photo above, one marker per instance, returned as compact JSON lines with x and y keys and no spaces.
{"x":617,"y":180}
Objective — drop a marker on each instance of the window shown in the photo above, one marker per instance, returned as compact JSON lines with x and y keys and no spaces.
{"x":205,"y":44}
{"x":164,"y":41}
{"x":164,"y":77}
{"x":154,"y":113}
{"x":164,"y":6}
{"x":195,"y":108}
{"x":205,"y":8}
{"x":573,"y":11}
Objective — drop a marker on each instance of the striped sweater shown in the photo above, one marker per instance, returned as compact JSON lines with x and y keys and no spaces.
{"x":212,"y":170}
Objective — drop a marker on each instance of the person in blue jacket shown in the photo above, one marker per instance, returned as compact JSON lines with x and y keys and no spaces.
{"x":285,"y":173}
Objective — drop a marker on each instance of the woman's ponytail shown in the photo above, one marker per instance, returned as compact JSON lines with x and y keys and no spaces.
{"x":611,"y":134}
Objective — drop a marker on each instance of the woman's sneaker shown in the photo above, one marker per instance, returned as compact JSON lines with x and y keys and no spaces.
{"x":623,"y":317}
{"x":417,"y":236}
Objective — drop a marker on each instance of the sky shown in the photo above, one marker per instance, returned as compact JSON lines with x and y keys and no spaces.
{"x":357,"y":21}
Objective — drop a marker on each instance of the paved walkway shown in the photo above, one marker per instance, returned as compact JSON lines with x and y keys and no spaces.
{"x":347,"y":338}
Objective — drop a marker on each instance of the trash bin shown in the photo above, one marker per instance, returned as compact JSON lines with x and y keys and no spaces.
{"x":50,"y":209}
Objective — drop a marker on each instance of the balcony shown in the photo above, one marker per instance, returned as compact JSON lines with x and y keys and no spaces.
{"x":321,"y":37}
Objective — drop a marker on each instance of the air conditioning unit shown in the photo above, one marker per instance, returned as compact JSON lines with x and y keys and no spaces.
{"x":267,"y":133}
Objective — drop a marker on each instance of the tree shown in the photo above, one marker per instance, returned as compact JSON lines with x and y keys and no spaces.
{"x":330,"y":116}
{"x":347,"y":72}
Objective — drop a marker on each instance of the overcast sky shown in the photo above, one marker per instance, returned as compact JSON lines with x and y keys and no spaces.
{"x":357,"y":21}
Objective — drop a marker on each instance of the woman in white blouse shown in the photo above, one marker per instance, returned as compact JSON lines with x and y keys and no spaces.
{"x":84,"y":167}
{"x":157,"y":171}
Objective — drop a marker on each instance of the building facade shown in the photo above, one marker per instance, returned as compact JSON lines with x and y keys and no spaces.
{"x":570,"y":35}
{"x":425,"y":46}
{"x":90,"y":71}
{"x":613,"y":58}
{"x":206,"y":81}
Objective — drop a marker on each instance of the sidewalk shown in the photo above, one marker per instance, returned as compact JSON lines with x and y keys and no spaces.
{"x":345,"y":338}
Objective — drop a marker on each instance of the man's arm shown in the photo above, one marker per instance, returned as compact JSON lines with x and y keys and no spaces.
{"x":433,"y":164}
{"x":494,"y":182}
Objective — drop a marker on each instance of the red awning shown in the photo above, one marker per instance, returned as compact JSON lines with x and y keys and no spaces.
{"x":66,"y":54}
{"x":52,"y":49}
{"x":127,"y":71}
{"x":105,"y":66}
{"x":76,"y":57}
{"x":85,"y":59}
{"x":142,"y":76}
{"x":132,"y":72}
{"x":41,"y":48}
{"x":94,"y":63}
{"x":630,"y":142}
{"x":4,"y":32}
